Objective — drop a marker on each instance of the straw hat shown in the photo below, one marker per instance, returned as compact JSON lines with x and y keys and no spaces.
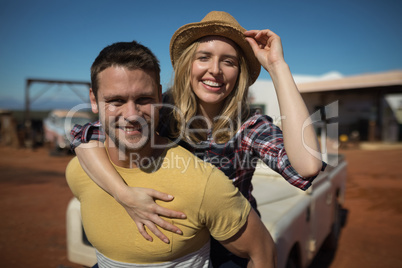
{"x":215,"y":23}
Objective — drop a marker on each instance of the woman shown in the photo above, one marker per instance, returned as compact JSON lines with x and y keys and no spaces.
{"x":215,"y":61}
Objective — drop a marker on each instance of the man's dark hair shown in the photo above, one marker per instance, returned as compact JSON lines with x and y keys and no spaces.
{"x":130,"y":55}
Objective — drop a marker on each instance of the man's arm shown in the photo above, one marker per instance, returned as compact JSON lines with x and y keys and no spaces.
{"x":254,"y":242}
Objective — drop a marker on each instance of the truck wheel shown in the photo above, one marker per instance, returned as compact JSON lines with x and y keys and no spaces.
{"x":293,"y":259}
{"x":331,"y":242}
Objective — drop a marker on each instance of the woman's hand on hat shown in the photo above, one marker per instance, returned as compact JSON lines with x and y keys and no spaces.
{"x":267,"y":46}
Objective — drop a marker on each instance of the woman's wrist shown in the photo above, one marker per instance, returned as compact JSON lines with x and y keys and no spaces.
{"x":121,"y":193}
{"x":277,"y":67}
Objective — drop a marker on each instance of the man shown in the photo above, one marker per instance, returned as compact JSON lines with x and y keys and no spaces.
{"x":125,"y":90}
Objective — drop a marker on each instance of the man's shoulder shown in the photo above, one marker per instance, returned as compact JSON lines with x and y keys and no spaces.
{"x":180,"y":150}
{"x":76,"y":177}
{"x":73,"y":165}
{"x":182,"y":162}
{"x":74,"y":170}
{"x":180,"y":153}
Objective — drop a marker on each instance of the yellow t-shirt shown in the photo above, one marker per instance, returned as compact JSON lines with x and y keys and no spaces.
{"x":208,"y":198}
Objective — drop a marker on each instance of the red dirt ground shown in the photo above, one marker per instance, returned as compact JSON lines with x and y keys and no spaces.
{"x":34,"y":198}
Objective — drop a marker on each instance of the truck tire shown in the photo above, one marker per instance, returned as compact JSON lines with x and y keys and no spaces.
{"x":293,"y":259}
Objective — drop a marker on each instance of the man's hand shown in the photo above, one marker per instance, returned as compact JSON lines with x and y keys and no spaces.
{"x":140,"y":205}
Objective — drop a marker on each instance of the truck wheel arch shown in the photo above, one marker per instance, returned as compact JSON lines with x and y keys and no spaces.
{"x":293,"y":260}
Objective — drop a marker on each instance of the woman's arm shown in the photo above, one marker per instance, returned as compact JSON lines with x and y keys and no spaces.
{"x":299,"y":136}
{"x":138,"y":202}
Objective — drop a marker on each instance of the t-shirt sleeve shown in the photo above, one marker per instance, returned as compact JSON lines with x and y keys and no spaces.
{"x":74,"y":177}
{"x":224,"y":210}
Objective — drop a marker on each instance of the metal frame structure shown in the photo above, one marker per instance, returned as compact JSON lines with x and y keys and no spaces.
{"x":30,"y":81}
{"x":28,"y":98}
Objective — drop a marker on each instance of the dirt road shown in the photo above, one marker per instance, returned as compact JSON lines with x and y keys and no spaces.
{"x":34,"y":198}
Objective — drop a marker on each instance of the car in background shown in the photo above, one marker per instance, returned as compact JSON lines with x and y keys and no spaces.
{"x":58,"y":124}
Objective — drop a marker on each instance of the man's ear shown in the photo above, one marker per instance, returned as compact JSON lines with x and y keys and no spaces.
{"x":94,"y":104}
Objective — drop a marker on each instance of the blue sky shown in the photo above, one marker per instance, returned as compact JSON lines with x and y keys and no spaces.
{"x":59,"y":39}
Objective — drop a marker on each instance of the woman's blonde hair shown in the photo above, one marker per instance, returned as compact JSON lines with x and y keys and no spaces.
{"x":187,"y":124}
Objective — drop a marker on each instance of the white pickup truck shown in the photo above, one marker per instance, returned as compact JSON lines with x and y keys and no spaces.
{"x":300,"y":222}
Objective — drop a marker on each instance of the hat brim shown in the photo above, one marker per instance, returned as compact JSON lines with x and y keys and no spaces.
{"x":191,"y":32}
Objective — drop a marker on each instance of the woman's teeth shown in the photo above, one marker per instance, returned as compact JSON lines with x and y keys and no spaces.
{"x":212,"y":83}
